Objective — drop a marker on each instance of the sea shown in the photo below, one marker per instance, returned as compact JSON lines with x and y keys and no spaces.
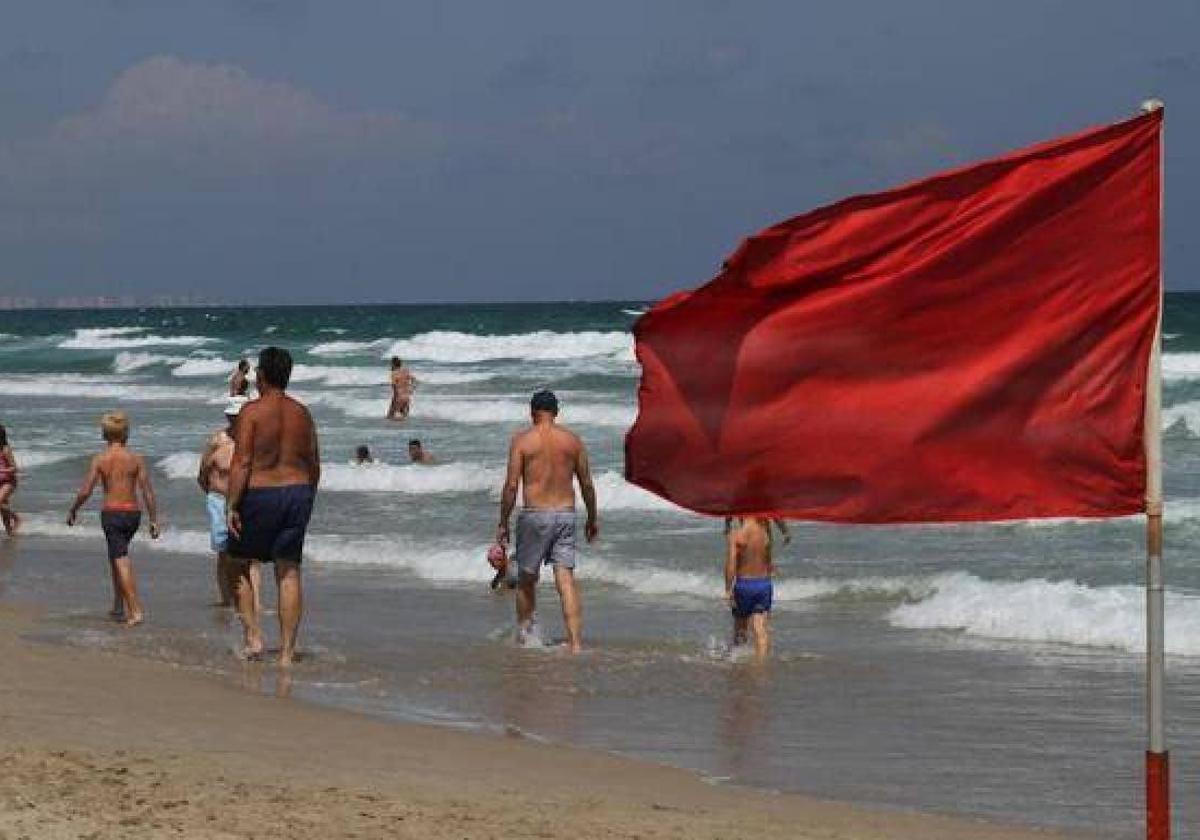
{"x":983,"y":669}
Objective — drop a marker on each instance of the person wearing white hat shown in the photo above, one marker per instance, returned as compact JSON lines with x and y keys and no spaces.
{"x":214,"y":481}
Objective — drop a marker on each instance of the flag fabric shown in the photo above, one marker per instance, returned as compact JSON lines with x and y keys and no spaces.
{"x":974,"y":346}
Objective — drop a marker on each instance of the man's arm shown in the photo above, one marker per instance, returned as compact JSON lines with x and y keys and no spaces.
{"x":314,"y":469}
{"x":783,"y":529}
{"x":85,"y":489}
{"x":583,"y":472}
{"x":512,"y":483}
{"x":143,"y":481}
{"x":239,"y":470}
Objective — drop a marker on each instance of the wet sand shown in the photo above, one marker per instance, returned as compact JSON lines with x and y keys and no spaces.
{"x":101,"y":745}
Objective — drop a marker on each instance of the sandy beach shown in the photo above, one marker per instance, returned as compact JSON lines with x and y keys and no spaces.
{"x":100,"y":745}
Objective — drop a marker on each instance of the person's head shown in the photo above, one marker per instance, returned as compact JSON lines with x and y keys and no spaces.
{"x":415,"y":450}
{"x":362,"y":454}
{"x":543,"y":405}
{"x":3,"y":436}
{"x":397,"y":363}
{"x":114,"y":427}
{"x":244,"y":366}
{"x":274,"y":368}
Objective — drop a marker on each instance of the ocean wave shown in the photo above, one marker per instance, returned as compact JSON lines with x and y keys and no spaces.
{"x":414,"y":479}
{"x":98,"y":389}
{"x":348,"y":348}
{"x":543,"y":345}
{"x":1051,"y":612}
{"x":1180,"y":366}
{"x":203,"y":367}
{"x":130,"y":361}
{"x":118,"y":338}
{"x":29,"y":459}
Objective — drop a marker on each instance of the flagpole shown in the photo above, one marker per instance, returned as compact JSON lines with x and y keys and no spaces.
{"x":1158,"y":783}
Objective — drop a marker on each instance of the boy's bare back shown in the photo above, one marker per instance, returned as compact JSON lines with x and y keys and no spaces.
{"x":121,"y":472}
{"x":753,"y":542}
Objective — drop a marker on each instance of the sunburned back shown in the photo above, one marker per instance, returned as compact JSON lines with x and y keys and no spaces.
{"x":280,"y":431}
{"x":753,"y":549}
{"x":119,"y":471}
{"x":549,"y":457}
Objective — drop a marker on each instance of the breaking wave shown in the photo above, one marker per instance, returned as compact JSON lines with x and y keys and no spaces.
{"x":348,"y":348}
{"x":543,"y":345}
{"x":118,"y":338}
{"x":203,"y":367}
{"x":1050,"y":612}
{"x":71,"y":386}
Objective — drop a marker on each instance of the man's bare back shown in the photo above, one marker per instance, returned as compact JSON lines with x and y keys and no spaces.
{"x":121,"y":473}
{"x":279,"y":439}
{"x":550,"y":457}
{"x":752,"y":544}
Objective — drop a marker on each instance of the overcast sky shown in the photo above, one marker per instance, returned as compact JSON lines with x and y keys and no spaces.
{"x":305,"y":151}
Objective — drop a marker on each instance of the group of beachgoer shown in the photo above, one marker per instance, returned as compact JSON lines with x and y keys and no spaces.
{"x":260,"y":475}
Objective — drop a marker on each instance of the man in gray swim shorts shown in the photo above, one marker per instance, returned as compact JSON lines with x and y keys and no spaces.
{"x":544,"y":461}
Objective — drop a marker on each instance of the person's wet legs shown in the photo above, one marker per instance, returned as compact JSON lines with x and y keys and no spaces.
{"x":291,"y":607}
{"x":572,"y":607}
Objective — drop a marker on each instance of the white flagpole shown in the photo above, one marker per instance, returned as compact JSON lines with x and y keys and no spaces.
{"x":1158,"y":784}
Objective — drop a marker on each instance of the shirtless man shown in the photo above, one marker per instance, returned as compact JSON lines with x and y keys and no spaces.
{"x":213,"y":479}
{"x":239,"y":382}
{"x":748,"y":587}
{"x":123,"y":473}
{"x":545,"y":459}
{"x":272,"y":484}
{"x":418,"y":454}
{"x":403,"y":383}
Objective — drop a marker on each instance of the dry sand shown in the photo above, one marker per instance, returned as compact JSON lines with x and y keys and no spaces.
{"x":97,"y":745}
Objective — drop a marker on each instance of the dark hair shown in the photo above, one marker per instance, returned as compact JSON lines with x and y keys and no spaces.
{"x":414,"y":442}
{"x":275,"y":366}
{"x":244,"y":365}
{"x":362,"y":451}
{"x":544,"y":401}
{"x":3,"y":436}
{"x":397,"y":362}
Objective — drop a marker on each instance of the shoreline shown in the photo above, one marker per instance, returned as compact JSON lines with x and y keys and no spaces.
{"x":98,"y":742}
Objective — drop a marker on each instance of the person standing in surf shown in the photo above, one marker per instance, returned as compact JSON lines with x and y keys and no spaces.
{"x":403,"y":383}
{"x":123,"y":474}
{"x":748,"y":586}
{"x":239,"y":381}
{"x":544,"y":461}
{"x":8,"y":485}
{"x":273,"y":480}
{"x":213,"y":478}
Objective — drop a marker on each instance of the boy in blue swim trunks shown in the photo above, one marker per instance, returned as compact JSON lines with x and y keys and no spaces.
{"x":748,"y":589}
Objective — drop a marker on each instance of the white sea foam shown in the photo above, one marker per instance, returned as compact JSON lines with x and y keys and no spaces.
{"x":480,"y":411}
{"x":333,"y":330}
{"x":30,"y":459}
{"x":414,"y":479}
{"x":1180,"y":366}
{"x":1059,"y":612}
{"x":543,"y":345}
{"x":203,"y":367}
{"x":348,"y":348}
{"x":128,"y":361}
{"x":615,"y":493}
{"x":116,"y":391}
{"x":119,"y":338}
{"x":1185,"y":415}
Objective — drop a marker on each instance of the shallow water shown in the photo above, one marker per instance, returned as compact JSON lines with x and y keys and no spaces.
{"x":984,"y":669}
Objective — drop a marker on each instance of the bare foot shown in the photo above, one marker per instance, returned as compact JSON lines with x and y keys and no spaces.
{"x":252,"y":650}
{"x":134,"y":620}
{"x":286,"y":658}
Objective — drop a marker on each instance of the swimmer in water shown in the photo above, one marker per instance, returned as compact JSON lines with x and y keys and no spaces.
{"x":748,"y":587}
{"x":8,"y":484}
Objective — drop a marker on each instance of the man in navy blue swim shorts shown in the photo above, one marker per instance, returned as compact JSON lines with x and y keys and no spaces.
{"x":748,"y":587}
{"x":272,"y":485}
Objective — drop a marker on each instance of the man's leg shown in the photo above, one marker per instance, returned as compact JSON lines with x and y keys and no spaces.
{"x":760,"y":626}
{"x":227,"y":576}
{"x":526,"y":601}
{"x":568,"y":593}
{"x":123,"y":572}
{"x":291,"y":606}
{"x":247,"y":605}
{"x":740,"y":629}
{"x":118,"y":606}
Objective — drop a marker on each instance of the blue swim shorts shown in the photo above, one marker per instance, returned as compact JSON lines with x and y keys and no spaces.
{"x":218,"y":531}
{"x":274,"y":520}
{"x":751,"y":595}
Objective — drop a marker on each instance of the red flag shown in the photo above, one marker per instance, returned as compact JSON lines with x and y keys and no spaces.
{"x":969,"y":347}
